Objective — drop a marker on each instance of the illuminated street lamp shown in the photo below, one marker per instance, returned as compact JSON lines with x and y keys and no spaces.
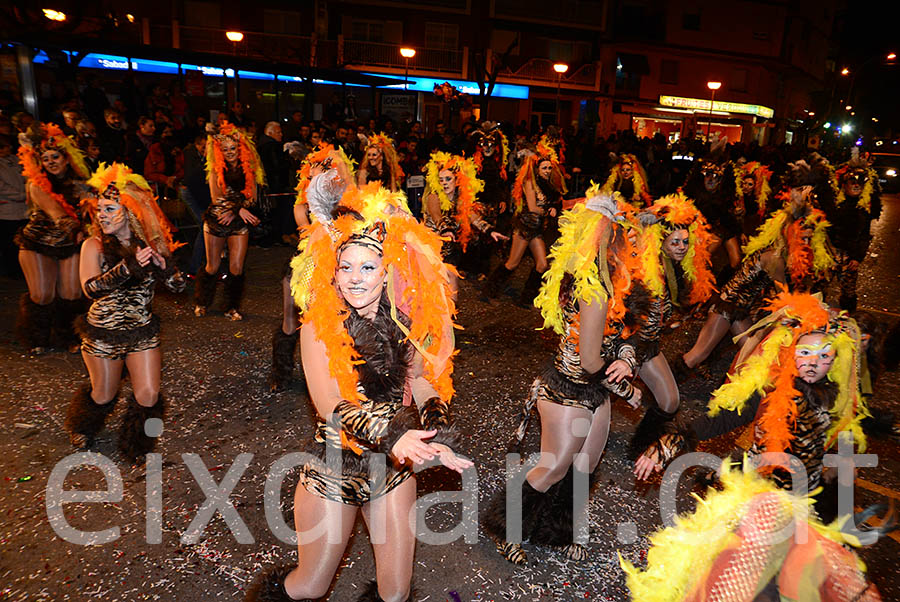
{"x":892,"y":56}
{"x":234,"y":36}
{"x":713,"y":86}
{"x":560,"y":68}
{"x":54,"y":15}
{"x":845,"y":71}
{"x":407,"y":53}
{"x":130,"y":17}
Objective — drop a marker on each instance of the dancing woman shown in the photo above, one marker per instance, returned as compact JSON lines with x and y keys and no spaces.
{"x":323,"y":177}
{"x":120,"y":265}
{"x":537,"y":195}
{"x":592,"y":269}
{"x":48,"y":244}
{"x":234,"y":172}
{"x":451,"y":207}
{"x":629,"y":179}
{"x":790,"y":248}
{"x":381,"y":164}
{"x":376,"y":343}
{"x":754,"y":192}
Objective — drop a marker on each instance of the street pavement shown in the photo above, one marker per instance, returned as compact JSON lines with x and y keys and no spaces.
{"x":221,"y":415}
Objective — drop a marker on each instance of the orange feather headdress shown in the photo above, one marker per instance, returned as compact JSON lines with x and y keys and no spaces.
{"x":468,"y":186}
{"x":528,"y":172}
{"x":40,"y":138}
{"x":250,"y":161}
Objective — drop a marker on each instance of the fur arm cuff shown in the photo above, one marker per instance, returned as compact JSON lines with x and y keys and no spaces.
{"x":113,"y":278}
{"x":435,"y":415}
{"x":359,"y":422}
{"x":172,"y":278}
{"x":405,"y":420}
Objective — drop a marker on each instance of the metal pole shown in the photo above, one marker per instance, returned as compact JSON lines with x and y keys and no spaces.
{"x":406,"y":76}
{"x":558,"y":83}
{"x":712,"y":101}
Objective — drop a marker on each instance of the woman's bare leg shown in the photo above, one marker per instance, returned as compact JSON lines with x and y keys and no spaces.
{"x":323,"y":529}
{"x":144,"y":368}
{"x":733,"y":248}
{"x":539,"y":251}
{"x":41,"y":273}
{"x":105,"y":376}
{"x":595,"y":443}
{"x":237,"y":252}
{"x":289,"y":321}
{"x":68,"y":279}
{"x":713,"y":330}
{"x":563,"y":432}
{"x":516,"y":251}
{"x":394,"y":543}
{"x":214,"y":247}
{"x":658,"y":377}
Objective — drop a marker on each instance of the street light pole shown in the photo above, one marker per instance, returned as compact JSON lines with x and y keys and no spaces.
{"x":560,"y":68}
{"x":407,"y":53}
{"x":713,"y":86}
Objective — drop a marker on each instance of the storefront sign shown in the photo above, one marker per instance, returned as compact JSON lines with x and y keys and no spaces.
{"x":398,"y":106}
{"x":702,"y":104}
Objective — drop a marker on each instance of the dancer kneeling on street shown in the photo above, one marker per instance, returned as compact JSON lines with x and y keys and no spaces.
{"x":591,"y":272}
{"x":120,"y":266}
{"x":376,"y":341}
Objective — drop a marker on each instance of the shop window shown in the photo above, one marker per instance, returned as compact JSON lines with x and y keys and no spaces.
{"x":442,"y":36}
{"x":202,"y":14}
{"x":668,"y":72}
{"x":690,"y":21}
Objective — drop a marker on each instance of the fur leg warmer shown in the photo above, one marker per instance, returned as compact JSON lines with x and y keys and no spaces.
{"x":651,"y":427}
{"x":283,"y":348}
{"x":234,"y":291}
{"x":496,"y":281}
{"x":34,"y":324}
{"x":85,"y":417}
{"x":370,"y":593}
{"x":204,"y":288}
{"x":269,"y":587}
{"x":66,"y":311}
{"x":531,"y":288}
{"x":133,"y":440}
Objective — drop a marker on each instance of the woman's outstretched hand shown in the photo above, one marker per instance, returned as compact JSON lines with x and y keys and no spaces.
{"x":412,"y":447}
{"x":618,"y":370}
{"x":248,"y":217}
{"x":450,"y":459}
{"x":647,"y":464}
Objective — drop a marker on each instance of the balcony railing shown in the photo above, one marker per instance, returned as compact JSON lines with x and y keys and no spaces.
{"x":272,"y":46}
{"x":585,"y":77}
{"x":358,"y":52}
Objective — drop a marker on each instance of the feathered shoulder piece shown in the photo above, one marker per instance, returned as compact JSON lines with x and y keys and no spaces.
{"x":682,"y":557}
{"x":40,"y":138}
{"x":327,"y":157}
{"x":671,"y":213}
{"x":418,"y":283}
{"x":249,"y":158}
{"x":595,"y":252}
{"x":119,"y":184}
{"x":770,"y":370}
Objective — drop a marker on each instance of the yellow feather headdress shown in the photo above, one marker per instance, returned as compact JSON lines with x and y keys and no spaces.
{"x":468,"y":187}
{"x":639,"y":178}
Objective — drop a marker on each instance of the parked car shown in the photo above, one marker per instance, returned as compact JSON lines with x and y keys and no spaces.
{"x":887,"y":165}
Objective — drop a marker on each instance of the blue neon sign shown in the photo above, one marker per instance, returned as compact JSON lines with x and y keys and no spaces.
{"x":427,"y":84}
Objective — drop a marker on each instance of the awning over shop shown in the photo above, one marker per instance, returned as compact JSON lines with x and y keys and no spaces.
{"x":634,"y":64}
{"x":702,"y":104}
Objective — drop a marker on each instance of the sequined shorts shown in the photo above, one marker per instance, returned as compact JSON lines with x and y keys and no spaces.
{"x":117,"y":351}
{"x":355,"y":488}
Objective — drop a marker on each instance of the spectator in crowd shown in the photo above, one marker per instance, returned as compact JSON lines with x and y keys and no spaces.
{"x":238,"y":117}
{"x":21,"y":121}
{"x":164,"y":165}
{"x":194,"y":191}
{"x":138,"y":144}
{"x":112,"y":137}
{"x":276,"y":164}
{"x":12,"y":207}
{"x":438,"y":142}
{"x":293,"y":126}
{"x":94,"y":99}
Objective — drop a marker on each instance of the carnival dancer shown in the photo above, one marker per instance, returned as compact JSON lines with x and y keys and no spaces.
{"x":749,"y":541}
{"x":711,"y":186}
{"x":537,"y":195}
{"x":452,"y":209}
{"x":381,"y":164}
{"x":673,"y":247}
{"x":129,"y":252}
{"x":799,"y":388}
{"x":584,"y":291}
{"x":790,"y":248}
{"x":490,"y":157}
{"x":753,"y":194}
{"x":55,"y":171}
{"x":323,"y":177}
{"x":851,"y":210}
{"x":629,"y":179}
{"x":377,"y":327}
{"x":235,"y":173}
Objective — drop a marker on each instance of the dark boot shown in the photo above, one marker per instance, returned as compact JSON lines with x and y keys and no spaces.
{"x":496,"y":281}
{"x":34,"y":324}
{"x":204,"y":291}
{"x":269,"y":587}
{"x":848,"y":302}
{"x":85,"y":417}
{"x":283,"y":347}
{"x":534,"y":505}
{"x":66,"y":311}
{"x":370,"y":594}
{"x":531,"y":288}
{"x":556,"y":527}
{"x":133,"y":439}
{"x":234,"y":291}
{"x":651,"y":427}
